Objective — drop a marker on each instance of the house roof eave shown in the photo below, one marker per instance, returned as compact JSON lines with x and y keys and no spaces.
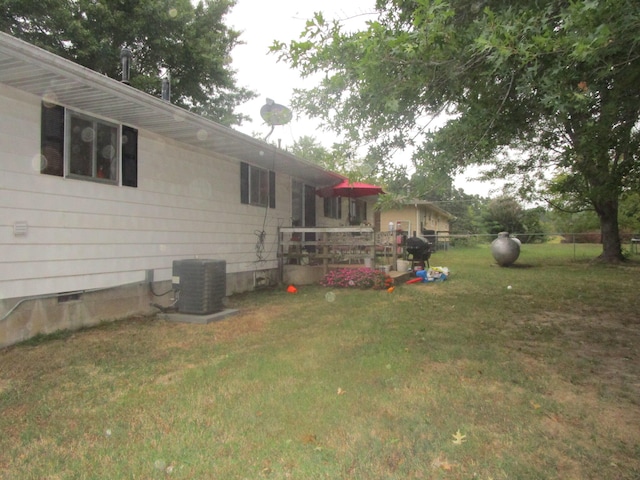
{"x":428,"y":204}
{"x":57,"y":80}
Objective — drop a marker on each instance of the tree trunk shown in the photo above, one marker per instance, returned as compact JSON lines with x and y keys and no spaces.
{"x":607,"y":211}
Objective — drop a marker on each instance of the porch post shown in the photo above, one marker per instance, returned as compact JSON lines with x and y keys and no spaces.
{"x":394,"y":247}
{"x":325,"y":253}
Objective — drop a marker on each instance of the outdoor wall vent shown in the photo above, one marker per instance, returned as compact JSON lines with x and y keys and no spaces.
{"x":20,"y":229}
{"x":200,"y":285}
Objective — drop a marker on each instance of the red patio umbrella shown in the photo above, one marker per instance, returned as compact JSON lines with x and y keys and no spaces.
{"x":350,"y":189}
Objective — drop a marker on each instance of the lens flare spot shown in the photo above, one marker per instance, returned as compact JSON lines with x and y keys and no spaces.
{"x":108,"y":152}
{"x":330,"y":297}
{"x":202,"y":135}
{"x":366,"y":170}
{"x":50,"y":99}
{"x":87,"y":134}
{"x":38,"y":162}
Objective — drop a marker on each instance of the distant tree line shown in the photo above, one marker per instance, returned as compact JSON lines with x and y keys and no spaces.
{"x":472,"y":214}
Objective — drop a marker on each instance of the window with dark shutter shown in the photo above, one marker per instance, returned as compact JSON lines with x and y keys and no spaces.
{"x":129,"y":157}
{"x":244,"y":183}
{"x":89,"y":147}
{"x":52,"y":140}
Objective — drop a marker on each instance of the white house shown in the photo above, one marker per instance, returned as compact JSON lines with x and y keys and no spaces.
{"x":102,"y":187}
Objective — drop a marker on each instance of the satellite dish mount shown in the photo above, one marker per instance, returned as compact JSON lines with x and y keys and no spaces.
{"x":274,"y":114}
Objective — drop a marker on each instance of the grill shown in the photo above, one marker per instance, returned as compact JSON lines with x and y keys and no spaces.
{"x":420,"y":251}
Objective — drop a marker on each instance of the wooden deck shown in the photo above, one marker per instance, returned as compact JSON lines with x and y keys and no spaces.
{"x":338,"y":245}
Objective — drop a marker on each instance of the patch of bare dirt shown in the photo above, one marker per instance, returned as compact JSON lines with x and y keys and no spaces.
{"x":21,"y":363}
{"x":595,"y":359}
{"x":605,"y":347}
{"x":248,"y":321}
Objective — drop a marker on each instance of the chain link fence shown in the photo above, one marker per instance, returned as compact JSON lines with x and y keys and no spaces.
{"x":580,"y":244}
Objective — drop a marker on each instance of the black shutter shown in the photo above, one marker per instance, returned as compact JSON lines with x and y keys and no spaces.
{"x":129,"y":156}
{"x":272,"y":189}
{"x":52,"y":140}
{"x":244,"y":182}
{"x":339,"y":207}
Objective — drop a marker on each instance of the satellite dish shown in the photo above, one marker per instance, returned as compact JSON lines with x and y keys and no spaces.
{"x":275,"y":114}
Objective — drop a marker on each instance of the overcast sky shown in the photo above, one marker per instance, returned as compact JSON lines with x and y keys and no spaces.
{"x":261,"y":22}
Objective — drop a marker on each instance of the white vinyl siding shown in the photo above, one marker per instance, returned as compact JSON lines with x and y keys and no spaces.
{"x":85,"y":235}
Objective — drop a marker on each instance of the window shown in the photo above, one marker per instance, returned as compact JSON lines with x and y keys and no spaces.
{"x":297,"y":204}
{"x":79,"y":146}
{"x":357,"y":211}
{"x":257,"y":186}
{"x":93,"y":151}
{"x":333,"y":207}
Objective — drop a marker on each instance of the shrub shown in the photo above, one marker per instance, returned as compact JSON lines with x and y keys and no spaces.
{"x":357,"y":278}
{"x":470,"y":240}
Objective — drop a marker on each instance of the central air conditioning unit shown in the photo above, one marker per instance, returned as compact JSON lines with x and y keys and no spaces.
{"x":200,"y":285}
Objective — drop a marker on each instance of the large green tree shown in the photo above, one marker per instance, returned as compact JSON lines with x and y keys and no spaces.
{"x":531,"y":86}
{"x":191,"y":43}
{"x":504,"y":214}
{"x":309,"y":148}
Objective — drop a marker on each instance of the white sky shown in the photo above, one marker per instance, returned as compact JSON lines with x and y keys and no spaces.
{"x":261,"y":22}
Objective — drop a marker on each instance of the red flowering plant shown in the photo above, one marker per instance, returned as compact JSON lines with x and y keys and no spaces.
{"x":357,"y":278}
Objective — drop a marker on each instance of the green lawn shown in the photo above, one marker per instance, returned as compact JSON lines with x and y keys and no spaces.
{"x":464,"y":379}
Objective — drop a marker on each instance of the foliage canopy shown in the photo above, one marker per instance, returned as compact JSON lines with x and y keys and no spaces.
{"x":190,"y":42}
{"x":532,"y":87}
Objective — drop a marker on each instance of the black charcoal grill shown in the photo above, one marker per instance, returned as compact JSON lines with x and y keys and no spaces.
{"x":420,"y":251}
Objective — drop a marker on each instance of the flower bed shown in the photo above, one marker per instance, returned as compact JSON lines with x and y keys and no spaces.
{"x":357,"y":278}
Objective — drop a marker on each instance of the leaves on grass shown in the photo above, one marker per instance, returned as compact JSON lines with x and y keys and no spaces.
{"x":309,"y":439}
{"x":459,"y":438}
{"x":535,"y":405}
{"x":554,"y":417}
{"x":443,"y":463}
{"x":341,"y":391}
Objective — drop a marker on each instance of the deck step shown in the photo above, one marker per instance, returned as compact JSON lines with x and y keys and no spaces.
{"x":400,"y":277}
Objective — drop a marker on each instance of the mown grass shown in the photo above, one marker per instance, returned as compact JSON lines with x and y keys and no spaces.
{"x":543,"y":381}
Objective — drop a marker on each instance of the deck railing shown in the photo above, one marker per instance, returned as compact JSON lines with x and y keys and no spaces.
{"x":338,"y":245}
